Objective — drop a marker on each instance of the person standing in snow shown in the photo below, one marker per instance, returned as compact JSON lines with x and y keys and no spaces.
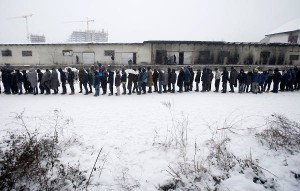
{"x":140,"y":81}
{"x":180,"y":79}
{"x":204,"y":80}
{"x":80,"y":76}
{"x":224,"y":80}
{"x":144,"y":80}
{"x":131,"y":77}
{"x":118,"y":82}
{"x":124,"y":80}
{"x":40,"y":76}
{"x":173,"y":80}
{"x":169,"y":79}
{"x":26,"y":83}
{"x":192,"y":78}
{"x":217,"y":79}
{"x":104,"y":80}
{"x":149,"y":79}
{"x":210,"y":76}
{"x":19,"y":80}
{"x":268,"y":82}
{"x":197,"y":79}
{"x":187,"y":79}
{"x":97,"y":81}
{"x":255,"y":81}
{"x":111,"y":82}
{"x":242,"y":81}
{"x":160,"y":80}
{"x":155,"y":80}
{"x":46,"y":81}
{"x":135,"y":82}
{"x":63,"y":79}
{"x":71,"y":77}
{"x":54,"y":81}
{"x":32,"y":78}
{"x":233,"y":79}
{"x":90,"y":79}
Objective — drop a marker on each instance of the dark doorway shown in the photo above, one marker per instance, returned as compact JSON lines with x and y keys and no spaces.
{"x":264,"y":57}
{"x":160,"y":55}
{"x":181,"y":58}
{"x":134,"y":58}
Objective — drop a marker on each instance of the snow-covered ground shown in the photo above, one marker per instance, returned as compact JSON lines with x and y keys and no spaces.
{"x":131,"y":129}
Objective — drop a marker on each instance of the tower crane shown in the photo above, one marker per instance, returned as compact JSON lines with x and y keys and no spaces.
{"x":26,"y":20}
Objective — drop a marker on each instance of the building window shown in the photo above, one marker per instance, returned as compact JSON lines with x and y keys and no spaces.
{"x":67,"y":52}
{"x":109,"y":52}
{"x":293,"y":39}
{"x":27,"y":53}
{"x":294,"y":57}
{"x":204,"y":57}
{"x":6,"y":53}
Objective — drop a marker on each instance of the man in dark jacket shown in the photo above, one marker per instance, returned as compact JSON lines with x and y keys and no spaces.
{"x":233,"y":79}
{"x":155,"y":78}
{"x":224,"y":80}
{"x":187,"y":79}
{"x":130,"y":81}
{"x":111,"y":82}
{"x":80,"y":76}
{"x":63,"y":80}
{"x":40,"y":76}
{"x":13,"y":85}
{"x":180,"y":79}
{"x":90,"y":79}
{"x":104,"y":80}
{"x":169,"y":79}
{"x":276,"y":80}
{"x":197,"y":79}
{"x":173,"y":80}
{"x":26,"y":83}
{"x":192,"y":78}
{"x":269,"y":80}
{"x":204,"y":80}
{"x":97,"y":83}
{"x":242,"y":81}
{"x":19,"y":79}
{"x":124,"y":80}
{"x":71,"y":81}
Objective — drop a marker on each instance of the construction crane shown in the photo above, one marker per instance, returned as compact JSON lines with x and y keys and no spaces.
{"x":26,"y":20}
{"x":87,"y":21}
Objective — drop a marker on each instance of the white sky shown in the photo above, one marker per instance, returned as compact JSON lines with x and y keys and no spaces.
{"x":141,"y":20}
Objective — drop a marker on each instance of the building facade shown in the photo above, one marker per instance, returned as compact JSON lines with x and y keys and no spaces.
{"x":88,"y":36}
{"x":37,"y":38}
{"x":151,"y":53}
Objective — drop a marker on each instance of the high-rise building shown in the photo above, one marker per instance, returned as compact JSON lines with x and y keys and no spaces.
{"x":88,"y":36}
{"x":37,"y":38}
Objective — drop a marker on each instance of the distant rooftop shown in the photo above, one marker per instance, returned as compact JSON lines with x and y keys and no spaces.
{"x":293,"y":25}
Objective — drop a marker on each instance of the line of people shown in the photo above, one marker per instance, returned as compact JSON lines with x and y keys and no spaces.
{"x":137,"y":80}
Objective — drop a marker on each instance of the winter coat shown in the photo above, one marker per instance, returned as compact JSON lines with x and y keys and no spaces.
{"x":173,"y":77}
{"x":233,"y":76}
{"x":242,"y":78}
{"x":181,"y":77}
{"x":81,"y":75}
{"x":218,"y":75}
{"x":248,"y":78}
{"x":118,"y":80}
{"x":192,"y":74}
{"x":124,"y":77}
{"x":32,"y":78}
{"x":54,"y":80}
{"x":150,"y":78}
{"x":85,"y":78}
{"x":161,"y":76}
{"x":71,"y":77}
{"x":46,"y":79}
{"x":198,"y":77}
{"x":166,"y":79}
{"x":277,"y":77}
{"x":285,"y":77}
{"x":91,"y":77}
{"x":204,"y":77}
{"x":255,"y":77}
{"x":144,"y":77}
{"x":270,"y":78}
{"x":63,"y":77}
{"x":97,"y":79}
{"x":104,"y":76}
{"x":210,"y":76}
{"x":130,"y":80}
{"x":40,"y":75}
{"x":111,"y":77}
{"x":264,"y":77}
{"x":155,"y":76}
{"x":19,"y":77}
{"x":225,"y":76}
{"x":187,"y":75}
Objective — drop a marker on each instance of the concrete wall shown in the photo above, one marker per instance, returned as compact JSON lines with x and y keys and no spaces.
{"x":194,"y":52}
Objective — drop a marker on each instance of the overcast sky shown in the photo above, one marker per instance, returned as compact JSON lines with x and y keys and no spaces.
{"x":141,"y":20}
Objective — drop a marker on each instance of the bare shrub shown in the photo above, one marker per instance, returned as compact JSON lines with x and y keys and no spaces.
{"x":31,"y":160}
{"x":281,"y":133}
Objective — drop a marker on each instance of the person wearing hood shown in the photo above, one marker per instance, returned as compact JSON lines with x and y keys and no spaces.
{"x":97,"y":80}
{"x":19,"y":79}
{"x":63,"y":80}
{"x":40,"y":76}
{"x":104,"y":80}
{"x":276,"y":80}
{"x":46,"y":81}
{"x":26,"y":83}
{"x":161,"y":80}
{"x":118,"y":82}
{"x":197,"y":79}
{"x":217,"y":79}
{"x":268,"y":81}
{"x":180,"y":80}
{"x":255,"y":81}
{"x":123,"y":81}
{"x":173,"y":80}
{"x":71,"y":77}
{"x":224,"y":80}
{"x":233,"y":79}
{"x":32,"y":78}
{"x":263,"y":78}
{"x":187,"y":79}
{"x":149,"y":79}
{"x":90,"y":79}
{"x":155,"y":80}
{"x":111,"y":82}
{"x":54,"y":81}
{"x":242,"y":81}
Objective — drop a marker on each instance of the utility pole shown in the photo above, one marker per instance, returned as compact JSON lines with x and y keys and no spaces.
{"x":26,"y":20}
